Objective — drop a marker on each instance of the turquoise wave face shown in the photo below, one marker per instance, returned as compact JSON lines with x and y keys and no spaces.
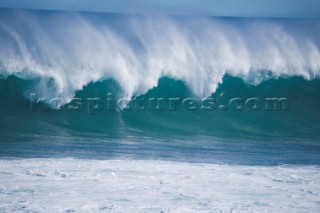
{"x":248,"y":136}
{"x":282,"y":107}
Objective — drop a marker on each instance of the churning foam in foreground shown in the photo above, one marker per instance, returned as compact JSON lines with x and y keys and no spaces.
{"x":71,"y":185}
{"x":69,"y":50}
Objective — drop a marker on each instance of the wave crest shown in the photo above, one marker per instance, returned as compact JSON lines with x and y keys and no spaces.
{"x":69,"y":50}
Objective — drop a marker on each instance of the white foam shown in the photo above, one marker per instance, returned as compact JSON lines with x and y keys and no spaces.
{"x":66,"y":185}
{"x":74,"y":50}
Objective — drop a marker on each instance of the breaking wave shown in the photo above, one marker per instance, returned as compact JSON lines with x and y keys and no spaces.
{"x":67,"y":51}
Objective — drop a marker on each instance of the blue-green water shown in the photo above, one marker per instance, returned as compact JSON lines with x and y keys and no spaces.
{"x":236,"y":137}
{"x":87,"y":56}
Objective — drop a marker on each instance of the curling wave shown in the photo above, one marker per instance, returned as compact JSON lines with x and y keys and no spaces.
{"x":66,"y":51}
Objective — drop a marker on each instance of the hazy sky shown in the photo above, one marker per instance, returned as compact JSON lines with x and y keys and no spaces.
{"x":247,"y":8}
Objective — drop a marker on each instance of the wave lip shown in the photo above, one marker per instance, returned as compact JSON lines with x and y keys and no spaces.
{"x":56,"y":46}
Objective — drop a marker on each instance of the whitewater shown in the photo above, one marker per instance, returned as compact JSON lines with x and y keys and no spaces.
{"x":73,"y":185}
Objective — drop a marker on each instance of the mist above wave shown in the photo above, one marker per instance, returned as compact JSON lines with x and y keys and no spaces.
{"x":68,"y":50}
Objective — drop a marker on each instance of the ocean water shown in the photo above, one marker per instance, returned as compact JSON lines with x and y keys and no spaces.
{"x":139,"y":113}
